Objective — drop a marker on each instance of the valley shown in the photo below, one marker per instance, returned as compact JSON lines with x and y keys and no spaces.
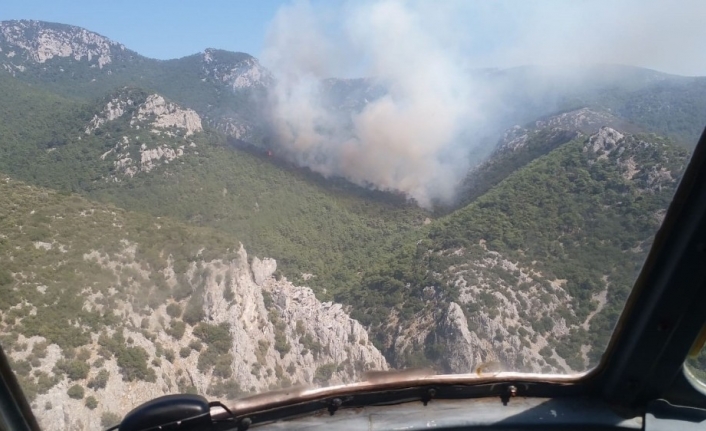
{"x":155,"y":238}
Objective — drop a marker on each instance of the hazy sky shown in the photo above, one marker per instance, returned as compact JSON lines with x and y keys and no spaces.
{"x":663,"y":35}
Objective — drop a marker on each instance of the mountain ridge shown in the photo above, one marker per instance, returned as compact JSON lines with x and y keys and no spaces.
{"x":126,"y":205}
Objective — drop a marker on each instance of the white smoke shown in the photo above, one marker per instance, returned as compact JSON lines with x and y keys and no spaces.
{"x":418,"y":136}
{"x":408,"y":139}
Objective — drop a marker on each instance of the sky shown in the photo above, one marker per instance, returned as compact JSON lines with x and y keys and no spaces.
{"x":415,"y":138}
{"x":160,"y":29}
{"x":662,"y":35}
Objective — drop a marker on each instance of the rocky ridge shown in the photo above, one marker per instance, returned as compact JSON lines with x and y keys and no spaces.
{"x":39,"y":42}
{"x":237,"y":71}
{"x":503,"y":304}
{"x":256,"y":364}
{"x":172,"y":125}
{"x":585,"y":121}
{"x":140,"y":320}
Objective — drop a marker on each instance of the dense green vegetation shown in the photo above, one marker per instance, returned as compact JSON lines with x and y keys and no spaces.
{"x":41,"y":228}
{"x":503,"y":164}
{"x":565,"y":212}
{"x":574,"y":216}
{"x":326,"y":230}
{"x":674,"y":107}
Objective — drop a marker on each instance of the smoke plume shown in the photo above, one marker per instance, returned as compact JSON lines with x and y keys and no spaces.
{"x":407,"y":139}
{"x":435,"y":107}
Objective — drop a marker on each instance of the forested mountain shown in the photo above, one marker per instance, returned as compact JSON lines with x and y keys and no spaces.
{"x":101,"y":306}
{"x":537,"y":269}
{"x":132,"y":187}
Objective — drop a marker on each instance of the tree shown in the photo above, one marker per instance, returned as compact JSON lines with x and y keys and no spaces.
{"x":133,"y":365}
{"x":91,"y":402}
{"x":324,"y":373}
{"x":108,"y":419}
{"x":76,"y":392}
{"x":100,"y":380}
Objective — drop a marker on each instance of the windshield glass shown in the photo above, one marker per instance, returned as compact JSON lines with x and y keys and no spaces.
{"x":696,"y":361}
{"x":344,"y":187}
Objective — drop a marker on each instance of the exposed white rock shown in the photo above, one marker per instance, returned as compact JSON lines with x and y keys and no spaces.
{"x":163,"y":114}
{"x":43,"y":42}
{"x":469,"y":351}
{"x":149,"y":158}
{"x":233,"y":127}
{"x":605,"y":141}
{"x":113,"y":110}
{"x":263,"y":269}
{"x":233,"y":294}
{"x":242,"y":74}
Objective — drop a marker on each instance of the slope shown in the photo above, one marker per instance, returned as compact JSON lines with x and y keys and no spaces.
{"x":535,"y":272}
{"x":142,"y":152}
{"x":102,"y":308}
{"x":80,"y":64}
{"x":520,"y":145}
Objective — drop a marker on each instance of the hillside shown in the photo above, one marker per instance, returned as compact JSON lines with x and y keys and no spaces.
{"x":142,"y":152}
{"x":228,"y":89}
{"x":80,"y":64}
{"x":131,"y":188}
{"x":104,"y":308}
{"x":535,"y":272}
{"x":521,"y":145}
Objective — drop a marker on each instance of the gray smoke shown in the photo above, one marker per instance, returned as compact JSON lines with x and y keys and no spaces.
{"x":417,"y":136}
{"x":406,"y":140}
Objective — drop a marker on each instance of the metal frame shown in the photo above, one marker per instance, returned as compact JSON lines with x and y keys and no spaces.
{"x":665,"y":311}
{"x":15,"y":412}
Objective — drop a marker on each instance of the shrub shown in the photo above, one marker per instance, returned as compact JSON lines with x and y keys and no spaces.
{"x":100,"y":380}
{"x":228,"y":293}
{"x":133,"y":365}
{"x":40,"y":350}
{"x":76,"y":392}
{"x":176,"y":329}
{"x":193,"y":313}
{"x":223,"y":365}
{"x":174,"y":310}
{"x":225,"y":388}
{"x":184,"y":352}
{"x":83,"y":355}
{"x":546,"y":352}
{"x":74,"y":370}
{"x":281,"y":344}
{"x":108,"y":419}
{"x":215,"y":336}
{"x":45,"y":382}
{"x":196,"y":345}
{"x":310,"y":344}
{"x":324,"y":373}
{"x":91,"y":402}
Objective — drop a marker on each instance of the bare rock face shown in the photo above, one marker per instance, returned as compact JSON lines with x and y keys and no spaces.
{"x":41,"y":42}
{"x":113,"y":110}
{"x":263,"y":269}
{"x":605,"y":141}
{"x":163,"y":115}
{"x":467,"y":355}
{"x":238,"y":73}
{"x":279,"y":334}
{"x":141,"y":113}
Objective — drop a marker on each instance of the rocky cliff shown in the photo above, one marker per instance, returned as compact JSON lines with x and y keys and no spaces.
{"x":100,"y":322}
{"x":39,"y":42}
{"x":534,"y":273}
